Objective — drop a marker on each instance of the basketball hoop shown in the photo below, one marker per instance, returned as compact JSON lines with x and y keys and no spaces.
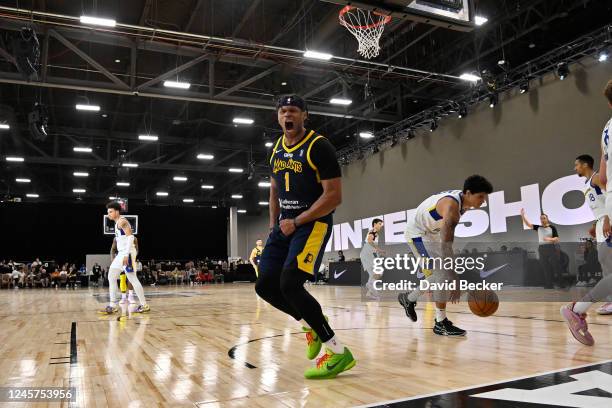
{"x":367,"y":27}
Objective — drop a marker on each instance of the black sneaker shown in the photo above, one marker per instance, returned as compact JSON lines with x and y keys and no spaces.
{"x":446,"y":328}
{"x":408,"y":306}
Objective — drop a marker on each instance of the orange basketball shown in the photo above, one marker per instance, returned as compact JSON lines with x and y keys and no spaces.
{"x":483,"y":303}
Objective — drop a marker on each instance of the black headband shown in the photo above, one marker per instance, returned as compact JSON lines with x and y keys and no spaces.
{"x":292,"y":100}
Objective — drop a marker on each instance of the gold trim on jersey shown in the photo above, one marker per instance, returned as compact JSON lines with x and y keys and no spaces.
{"x":308,"y":257}
{"x":312,"y":165}
{"x":274,"y":149}
{"x":297,"y":146}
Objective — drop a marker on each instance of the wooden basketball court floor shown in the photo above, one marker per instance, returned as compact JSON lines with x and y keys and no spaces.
{"x":220,"y":345}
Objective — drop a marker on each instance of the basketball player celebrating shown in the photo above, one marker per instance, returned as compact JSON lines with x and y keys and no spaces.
{"x":124,"y":261}
{"x":256,"y":255}
{"x":575,"y":314}
{"x":430,"y":233}
{"x":369,"y":251}
{"x":305,"y":190}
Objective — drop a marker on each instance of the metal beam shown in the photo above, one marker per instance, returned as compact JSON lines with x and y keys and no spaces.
{"x":245,"y":17}
{"x":7,"y":56}
{"x":248,"y":81}
{"x":101,"y":87}
{"x":67,"y":161}
{"x":173,"y":72}
{"x":194,"y":13}
{"x":88,"y":59}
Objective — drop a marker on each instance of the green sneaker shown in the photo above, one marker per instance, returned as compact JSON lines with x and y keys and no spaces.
{"x":314,"y":343}
{"x":331,"y":364}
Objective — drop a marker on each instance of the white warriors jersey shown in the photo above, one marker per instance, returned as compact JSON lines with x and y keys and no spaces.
{"x":607,"y":151}
{"x":122,"y":240}
{"x":596,"y":198}
{"x":426,"y":221}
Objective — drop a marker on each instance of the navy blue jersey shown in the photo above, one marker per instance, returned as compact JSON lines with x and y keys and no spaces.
{"x":299,"y":169}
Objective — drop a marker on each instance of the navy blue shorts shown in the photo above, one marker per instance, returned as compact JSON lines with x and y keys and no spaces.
{"x":302,"y":250}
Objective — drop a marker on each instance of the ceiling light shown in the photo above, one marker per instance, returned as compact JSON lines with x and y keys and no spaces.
{"x":14,"y":159}
{"x":269,"y":144}
{"x":237,"y":196}
{"x":603,"y":56}
{"x":117,"y":60}
{"x":162,"y":194}
{"x":179,"y":178}
{"x":207,"y":187}
{"x":264,"y":184}
{"x":214,"y":206}
{"x":434,"y":125}
{"x":318,"y":55}
{"x":104,"y":115}
{"x":4,"y":126}
{"x":524,"y":86}
{"x":493,"y":100}
{"x":205,"y":156}
{"x":123,"y":184}
{"x":242,"y":211}
{"x":32,"y":195}
{"x":235,"y":170}
{"x":470,"y":77}
{"x":112,"y":198}
{"x":177,"y":84}
{"x":463,"y":112}
{"x":23,"y":180}
{"x":78,"y":190}
{"x":283,"y":83}
{"x":80,"y":174}
{"x":340,"y":101}
{"x":188,"y":200}
{"x":132,"y":165}
{"x":91,"y":108}
{"x":263,"y":203}
{"x":82,"y":149}
{"x":480,"y":20}
{"x":104,"y":22}
{"x":151,"y":138}
{"x":366,"y":135}
{"x":243,"y":121}
{"x":562,"y":70}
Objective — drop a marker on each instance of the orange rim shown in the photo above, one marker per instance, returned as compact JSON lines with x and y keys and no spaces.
{"x":346,"y":9}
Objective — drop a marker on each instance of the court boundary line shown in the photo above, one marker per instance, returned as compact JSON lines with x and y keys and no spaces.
{"x":382,"y":403}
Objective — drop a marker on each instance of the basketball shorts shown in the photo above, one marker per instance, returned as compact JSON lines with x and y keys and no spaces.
{"x":301,"y":250}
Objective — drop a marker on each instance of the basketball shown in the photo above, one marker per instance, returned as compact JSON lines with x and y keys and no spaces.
{"x":483,"y":303}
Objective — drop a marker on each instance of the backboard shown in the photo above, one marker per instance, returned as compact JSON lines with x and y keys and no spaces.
{"x":109,"y":226}
{"x":452,"y":14}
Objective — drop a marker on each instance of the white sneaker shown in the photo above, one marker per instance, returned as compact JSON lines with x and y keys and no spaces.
{"x":131,"y":299}
{"x":605,"y":309}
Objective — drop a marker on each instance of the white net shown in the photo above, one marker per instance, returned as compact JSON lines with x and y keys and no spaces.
{"x":367,"y":27}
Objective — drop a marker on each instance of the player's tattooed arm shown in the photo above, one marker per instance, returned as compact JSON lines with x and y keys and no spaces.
{"x":448,"y":208}
{"x":603,"y":168}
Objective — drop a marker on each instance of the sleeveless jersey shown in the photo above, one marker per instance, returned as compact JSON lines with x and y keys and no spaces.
{"x":426,"y":220}
{"x":596,"y":198}
{"x":121,"y":239}
{"x":297,"y":178}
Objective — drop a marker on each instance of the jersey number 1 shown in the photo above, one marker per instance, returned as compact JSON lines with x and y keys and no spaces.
{"x":287,"y":181}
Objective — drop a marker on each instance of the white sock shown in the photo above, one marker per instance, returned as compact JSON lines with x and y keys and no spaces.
{"x":334,"y":345}
{"x":304,"y":324}
{"x":131,"y":293}
{"x":581,"y":307}
{"x":440,"y":314}
{"x":123,"y":296}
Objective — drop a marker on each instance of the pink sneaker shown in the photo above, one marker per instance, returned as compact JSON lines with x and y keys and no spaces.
{"x":577,"y":325}
{"x":605,"y":309}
